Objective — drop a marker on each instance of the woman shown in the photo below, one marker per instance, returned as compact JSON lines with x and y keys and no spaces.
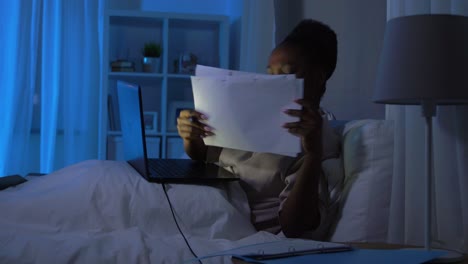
{"x":285,"y":194}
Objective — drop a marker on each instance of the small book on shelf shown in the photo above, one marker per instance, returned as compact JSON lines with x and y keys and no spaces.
{"x":122,"y":63}
{"x":122,"y":66}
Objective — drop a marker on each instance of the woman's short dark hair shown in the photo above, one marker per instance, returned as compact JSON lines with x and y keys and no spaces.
{"x":317,"y":45}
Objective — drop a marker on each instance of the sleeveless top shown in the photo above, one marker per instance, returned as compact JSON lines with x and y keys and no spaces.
{"x":268,"y":179}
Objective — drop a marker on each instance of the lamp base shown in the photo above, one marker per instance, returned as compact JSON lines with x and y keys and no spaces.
{"x":449,"y":256}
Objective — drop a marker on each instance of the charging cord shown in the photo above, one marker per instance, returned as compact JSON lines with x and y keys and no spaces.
{"x":177,"y":224}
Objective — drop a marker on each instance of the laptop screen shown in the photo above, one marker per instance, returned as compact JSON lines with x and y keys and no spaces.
{"x":133,"y":133}
{"x":162,"y":170}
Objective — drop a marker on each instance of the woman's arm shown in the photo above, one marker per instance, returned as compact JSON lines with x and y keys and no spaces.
{"x":300,"y":211}
{"x":195,"y":149}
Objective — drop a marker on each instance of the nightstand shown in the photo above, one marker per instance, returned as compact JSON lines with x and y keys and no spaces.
{"x":363,"y":245}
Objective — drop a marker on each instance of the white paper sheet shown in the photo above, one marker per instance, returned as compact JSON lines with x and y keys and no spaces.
{"x":246,"y":110}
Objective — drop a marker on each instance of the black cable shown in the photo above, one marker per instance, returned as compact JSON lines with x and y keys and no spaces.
{"x":177,"y":224}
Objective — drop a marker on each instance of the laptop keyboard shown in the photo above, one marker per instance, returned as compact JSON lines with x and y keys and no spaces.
{"x":170,"y":168}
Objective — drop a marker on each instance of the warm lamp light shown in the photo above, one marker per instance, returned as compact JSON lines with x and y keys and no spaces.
{"x":424,"y":62}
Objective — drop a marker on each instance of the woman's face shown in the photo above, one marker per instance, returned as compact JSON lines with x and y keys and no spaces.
{"x":284,"y":61}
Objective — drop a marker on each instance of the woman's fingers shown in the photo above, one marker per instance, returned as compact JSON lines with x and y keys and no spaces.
{"x":309,"y":119}
{"x":189,"y":125}
{"x":304,"y":114}
{"x":301,"y":114}
{"x":307,"y":104}
{"x":190,"y":133}
{"x":193,"y":126}
{"x":301,"y":128}
{"x":192,"y":114}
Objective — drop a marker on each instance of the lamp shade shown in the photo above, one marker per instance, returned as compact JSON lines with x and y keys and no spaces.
{"x":424,"y":58}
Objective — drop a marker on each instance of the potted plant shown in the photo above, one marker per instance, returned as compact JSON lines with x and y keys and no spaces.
{"x":151,"y":56}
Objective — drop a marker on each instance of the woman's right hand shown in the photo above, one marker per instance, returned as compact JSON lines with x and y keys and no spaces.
{"x":191,"y":126}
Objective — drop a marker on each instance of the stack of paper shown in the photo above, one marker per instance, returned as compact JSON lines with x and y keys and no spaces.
{"x":246,"y":109}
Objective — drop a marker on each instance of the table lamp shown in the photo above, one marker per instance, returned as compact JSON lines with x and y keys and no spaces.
{"x":424,"y":61}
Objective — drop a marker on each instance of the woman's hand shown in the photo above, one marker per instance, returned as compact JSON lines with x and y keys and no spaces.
{"x":192,"y":129}
{"x":309,"y":127}
{"x":191,"y":126}
{"x":298,"y":216}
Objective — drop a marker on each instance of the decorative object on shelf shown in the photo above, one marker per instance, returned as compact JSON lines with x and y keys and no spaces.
{"x":187,"y":63}
{"x":122,"y":66}
{"x":151,"y":57}
{"x":150,"y":120}
{"x":173,"y":113}
{"x":175,"y":64}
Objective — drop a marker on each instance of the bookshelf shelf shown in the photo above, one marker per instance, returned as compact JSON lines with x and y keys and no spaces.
{"x":125,"y":33}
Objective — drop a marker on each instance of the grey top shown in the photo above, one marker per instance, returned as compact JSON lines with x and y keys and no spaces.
{"x":268,"y":179}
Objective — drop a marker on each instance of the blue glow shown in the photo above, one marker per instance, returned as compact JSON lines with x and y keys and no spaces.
{"x":52,"y":51}
{"x":9,"y":22}
{"x":44,"y":46}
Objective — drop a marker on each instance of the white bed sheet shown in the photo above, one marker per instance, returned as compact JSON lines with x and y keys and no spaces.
{"x":104,"y":212}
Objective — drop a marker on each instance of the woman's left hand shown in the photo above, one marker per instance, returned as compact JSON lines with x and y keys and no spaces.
{"x":309,"y":126}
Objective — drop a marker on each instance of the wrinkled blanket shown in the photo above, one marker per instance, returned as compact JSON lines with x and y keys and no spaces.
{"x":104,"y":212}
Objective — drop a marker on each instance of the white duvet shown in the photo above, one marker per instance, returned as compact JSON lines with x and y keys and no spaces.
{"x":104,"y":212}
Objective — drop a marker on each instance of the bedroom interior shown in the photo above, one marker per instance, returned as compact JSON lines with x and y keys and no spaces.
{"x":58,"y":124}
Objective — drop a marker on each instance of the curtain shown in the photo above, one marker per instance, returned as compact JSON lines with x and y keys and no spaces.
{"x":15,"y":122}
{"x":50,"y":72}
{"x":450,"y":192}
{"x":257,"y":39}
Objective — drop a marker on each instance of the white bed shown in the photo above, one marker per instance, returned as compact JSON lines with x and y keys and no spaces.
{"x":104,"y":212}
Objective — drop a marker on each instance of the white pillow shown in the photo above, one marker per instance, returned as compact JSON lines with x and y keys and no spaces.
{"x":368,"y":165}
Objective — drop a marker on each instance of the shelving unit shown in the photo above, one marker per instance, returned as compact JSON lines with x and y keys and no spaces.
{"x":125,"y":33}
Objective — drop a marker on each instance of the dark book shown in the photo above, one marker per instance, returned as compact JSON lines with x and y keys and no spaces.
{"x":123,"y":69}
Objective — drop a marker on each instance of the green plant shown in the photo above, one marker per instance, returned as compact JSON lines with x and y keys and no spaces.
{"x":152,"y":49}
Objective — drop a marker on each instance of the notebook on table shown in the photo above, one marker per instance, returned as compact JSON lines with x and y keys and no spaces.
{"x":287,"y":248}
{"x":280,"y":249}
{"x":158,"y":170}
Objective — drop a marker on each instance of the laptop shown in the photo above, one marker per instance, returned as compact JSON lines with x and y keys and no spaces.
{"x":158,"y":170}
